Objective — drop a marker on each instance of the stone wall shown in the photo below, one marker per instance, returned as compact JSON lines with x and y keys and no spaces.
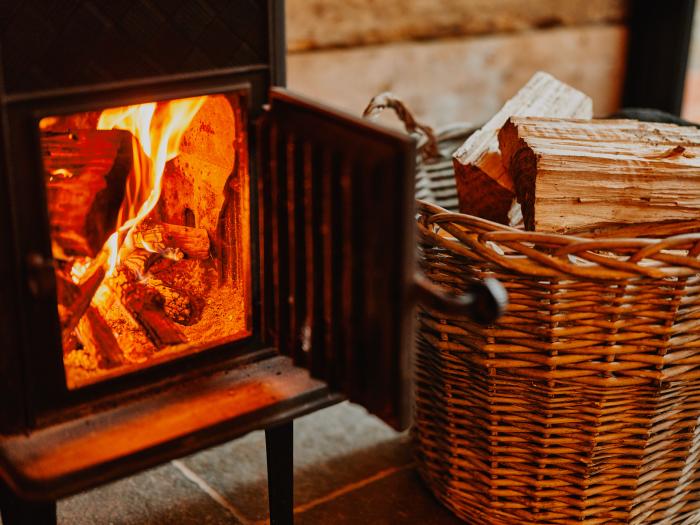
{"x":453,"y":60}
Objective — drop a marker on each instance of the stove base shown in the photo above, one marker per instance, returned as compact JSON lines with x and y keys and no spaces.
{"x":67,"y":458}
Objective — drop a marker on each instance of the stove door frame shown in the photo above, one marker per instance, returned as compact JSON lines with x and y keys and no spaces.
{"x":42,"y":395}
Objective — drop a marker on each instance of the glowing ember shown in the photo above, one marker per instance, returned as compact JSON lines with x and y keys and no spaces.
{"x":61,"y":172}
{"x":79,"y":269}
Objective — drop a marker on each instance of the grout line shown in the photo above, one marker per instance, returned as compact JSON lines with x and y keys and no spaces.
{"x":351,"y":487}
{"x":210,"y":491}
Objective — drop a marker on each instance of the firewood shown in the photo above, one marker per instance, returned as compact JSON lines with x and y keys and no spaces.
{"x":94,"y":332}
{"x":139,"y":261}
{"x":172,"y":240}
{"x":74,"y":298}
{"x":484,"y":186}
{"x":176,"y":304}
{"x":579,"y":175}
{"x":145,"y":304}
{"x":85,"y":173}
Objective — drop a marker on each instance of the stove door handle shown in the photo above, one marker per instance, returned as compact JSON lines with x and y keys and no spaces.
{"x":40,"y":274}
{"x":484,"y":303}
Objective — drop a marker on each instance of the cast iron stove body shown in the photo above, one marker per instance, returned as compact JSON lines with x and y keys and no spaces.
{"x":180,"y":241}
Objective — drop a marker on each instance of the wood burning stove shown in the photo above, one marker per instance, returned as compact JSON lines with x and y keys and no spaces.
{"x":172,"y":226}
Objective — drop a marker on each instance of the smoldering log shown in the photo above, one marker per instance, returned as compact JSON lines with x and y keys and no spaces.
{"x":146,"y":305}
{"x":74,"y":299}
{"x":94,"y":332}
{"x":172,"y":240}
{"x":177,"y":305}
{"x":85,"y":173}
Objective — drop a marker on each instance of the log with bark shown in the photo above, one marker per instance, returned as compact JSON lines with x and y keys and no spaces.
{"x":145,"y":304}
{"x":176,"y":304}
{"x":85,"y":174}
{"x":484,"y":187}
{"x":74,"y":298}
{"x":151,"y":303}
{"x":583,"y":175}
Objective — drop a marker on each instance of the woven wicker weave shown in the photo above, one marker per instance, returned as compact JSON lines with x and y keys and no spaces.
{"x":581,"y":404}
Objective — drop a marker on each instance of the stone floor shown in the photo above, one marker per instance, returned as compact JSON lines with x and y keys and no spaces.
{"x":350,"y":468}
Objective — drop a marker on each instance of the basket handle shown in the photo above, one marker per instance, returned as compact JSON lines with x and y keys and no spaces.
{"x":484,"y":303}
{"x":385,"y":100}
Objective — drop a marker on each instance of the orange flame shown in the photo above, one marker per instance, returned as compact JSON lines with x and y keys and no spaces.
{"x":157,"y":129}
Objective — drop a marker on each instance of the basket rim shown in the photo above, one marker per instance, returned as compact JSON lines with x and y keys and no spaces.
{"x":541,"y":254}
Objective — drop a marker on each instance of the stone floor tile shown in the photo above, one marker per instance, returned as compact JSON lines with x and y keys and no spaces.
{"x":398,"y":499}
{"x":156,"y":497}
{"x":333,"y":447}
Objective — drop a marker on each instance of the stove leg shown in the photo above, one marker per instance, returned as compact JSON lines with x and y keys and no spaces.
{"x":16,"y":511}
{"x":279,"y":442}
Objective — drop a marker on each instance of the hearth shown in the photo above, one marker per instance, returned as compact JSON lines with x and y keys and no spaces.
{"x":171,"y":226}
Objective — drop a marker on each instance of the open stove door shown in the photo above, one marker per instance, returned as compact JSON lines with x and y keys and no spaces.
{"x":338,"y":249}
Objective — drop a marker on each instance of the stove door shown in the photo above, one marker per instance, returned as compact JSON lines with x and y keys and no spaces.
{"x":337,"y":223}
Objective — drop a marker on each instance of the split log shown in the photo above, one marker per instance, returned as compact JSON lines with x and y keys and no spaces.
{"x":145,"y":304}
{"x":94,"y":332}
{"x":579,"y":175}
{"x":139,"y":261}
{"x":74,"y":299}
{"x":484,"y":186}
{"x":172,"y":240}
{"x":85,"y":175}
{"x":176,"y":304}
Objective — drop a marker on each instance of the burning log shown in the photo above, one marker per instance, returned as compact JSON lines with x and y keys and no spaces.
{"x":484,"y":187}
{"x":74,"y":299}
{"x":172,"y":240}
{"x":176,"y":304}
{"x":85,"y":174}
{"x":576,"y":175}
{"x":94,"y":332}
{"x":139,"y":261}
{"x":146,"y":305}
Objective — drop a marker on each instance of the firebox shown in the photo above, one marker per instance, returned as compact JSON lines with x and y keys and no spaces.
{"x":180,"y":241}
{"x":149,"y":220}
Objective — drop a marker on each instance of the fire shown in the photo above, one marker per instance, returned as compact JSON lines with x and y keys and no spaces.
{"x":157,"y":130}
{"x":79,"y":269}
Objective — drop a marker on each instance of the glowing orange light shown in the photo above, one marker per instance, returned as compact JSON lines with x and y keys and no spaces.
{"x":157,"y":130}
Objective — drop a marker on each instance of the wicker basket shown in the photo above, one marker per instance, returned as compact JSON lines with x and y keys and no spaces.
{"x":581,"y":405}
